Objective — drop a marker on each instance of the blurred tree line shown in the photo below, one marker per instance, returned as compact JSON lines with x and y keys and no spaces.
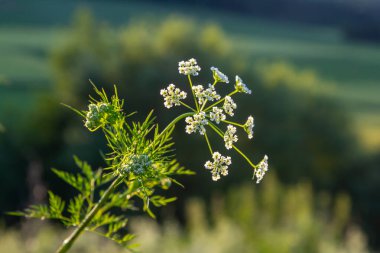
{"x":358,"y":20}
{"x":304,"y":132}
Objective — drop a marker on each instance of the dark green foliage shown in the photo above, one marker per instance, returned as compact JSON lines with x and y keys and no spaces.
{"x":88,"y":182}
{"x":129,"y":177}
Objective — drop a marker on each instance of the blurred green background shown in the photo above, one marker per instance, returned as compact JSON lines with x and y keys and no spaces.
{"x":313,"y":67}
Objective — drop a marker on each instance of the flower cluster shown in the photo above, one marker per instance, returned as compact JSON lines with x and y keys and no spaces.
{"x":204,"y":95}
{"x":204,"y":116}
{"x":189,"y":67}
{"x":196,"y":123}
{"x":99,"y":114}
{"x":218,"y":166}
{"x":230,"y":137}
{"x":172,"y":96}
{"x":229,"y":105}
{"x":248,"y":127}
{"x":261,"y":169}
{"x":217,"y":115}
{"x":219,"y":76}
{"x":240,"y":86}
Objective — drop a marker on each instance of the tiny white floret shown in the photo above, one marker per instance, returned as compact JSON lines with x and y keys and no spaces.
{"x":248,"y":127}
{"x":218,"y":166}
{"x":261,"y":169}
{"x":229,"y":105}
{"x":230,"y":137}
{"x":172,"y":96}
{"x":219,"y":76}
{"x":217,"y":115}
{"x":240,"y":86}
{"x":204,"y":95}
{"x":189,"y":67}
{"x":196,"y":123}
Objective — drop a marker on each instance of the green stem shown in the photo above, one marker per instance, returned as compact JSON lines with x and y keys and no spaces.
{"x":174,"y":121}
{"x":203,"y":105}
{"x":188,"y":107}
{"x":233,"y":123}
{"x":69,"y":241}
{"x":191,"y":87}
{"x":208,"y":144}
{"x":219,"y":132}
{"x":171,"y":124}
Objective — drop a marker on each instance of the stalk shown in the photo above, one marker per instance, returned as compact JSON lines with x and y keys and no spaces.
{"x":192,"y":91}
{"x":69,"y":241}
{"x":219,"y":132}
{"x":174,"y":121}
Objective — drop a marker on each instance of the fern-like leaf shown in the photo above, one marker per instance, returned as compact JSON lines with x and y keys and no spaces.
{"x":56,"y":205}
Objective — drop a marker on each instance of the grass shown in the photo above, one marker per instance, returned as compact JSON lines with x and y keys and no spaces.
{"x":353,"y":68}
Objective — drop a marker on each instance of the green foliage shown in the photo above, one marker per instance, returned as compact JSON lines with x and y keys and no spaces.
{"x":140,"y":160}
{"x":274,"y":218}
{"x":271,"y":218}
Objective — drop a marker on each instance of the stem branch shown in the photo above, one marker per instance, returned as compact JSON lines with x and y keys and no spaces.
{"x":192,"y":91}
{"x":187,"y":106}
{"x":68,"y":242}
{"x":171,"y":124}
{"x":208,"y":144}
{"x":219,"y":132}
{"x":233,"y":123}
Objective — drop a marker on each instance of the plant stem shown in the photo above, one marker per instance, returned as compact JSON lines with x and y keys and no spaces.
{"x":171,"y":124}
{"x":233,"y":123}
{"x":188,"y":107}
{"x":192,"y":91}
{"x":219,"y":132}
{"x":208,"y":144}
{"x":69,"y":241}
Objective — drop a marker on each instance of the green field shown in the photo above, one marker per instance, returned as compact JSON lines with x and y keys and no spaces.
{"x":28,"y":34}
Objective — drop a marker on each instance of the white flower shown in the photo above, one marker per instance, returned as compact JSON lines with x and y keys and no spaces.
{"x":219,"y":76}
{"x":211,"y":94}
{"x":218,"y":166}
{"x":248,"y":127}
{"x":205,"y":94}
{"x":198,"y":92}
{"x":189,"y":67}
{"x":172,"y":95}
{"x":261,"y":169}
{"x":217,"y":115}
{"x":230,"y":137}
{"x":196,"y":123}
{"x":229,"y":105}
{"x":241,"y":87}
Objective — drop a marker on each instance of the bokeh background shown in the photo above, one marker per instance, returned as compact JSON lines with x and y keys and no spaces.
{"x":313,"y":66}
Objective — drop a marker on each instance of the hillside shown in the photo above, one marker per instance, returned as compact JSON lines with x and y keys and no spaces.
{"x":28,"y":31}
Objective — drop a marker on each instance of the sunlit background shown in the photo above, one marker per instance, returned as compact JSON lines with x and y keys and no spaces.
{"x":313,"y":67}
